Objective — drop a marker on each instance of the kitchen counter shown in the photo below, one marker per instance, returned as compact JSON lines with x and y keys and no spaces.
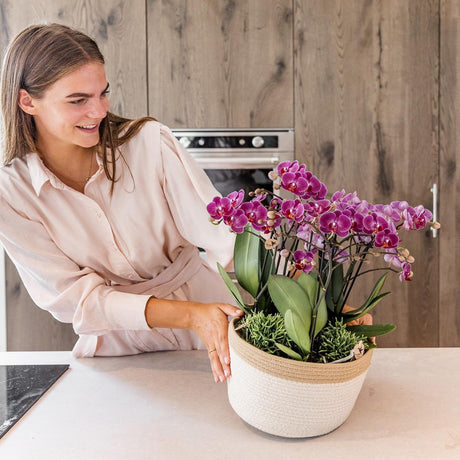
{"x":165,"y":405}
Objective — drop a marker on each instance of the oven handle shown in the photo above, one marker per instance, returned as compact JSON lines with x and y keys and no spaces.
{"x":238,"y":163}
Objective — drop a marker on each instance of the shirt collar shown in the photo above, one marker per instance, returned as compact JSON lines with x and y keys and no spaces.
{"x":39,"y":174}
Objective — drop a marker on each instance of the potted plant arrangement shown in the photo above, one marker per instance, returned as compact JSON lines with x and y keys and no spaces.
{"x":299,"y":355}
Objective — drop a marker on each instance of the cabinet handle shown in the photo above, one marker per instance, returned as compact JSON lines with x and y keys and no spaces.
{"x":434,"y":191}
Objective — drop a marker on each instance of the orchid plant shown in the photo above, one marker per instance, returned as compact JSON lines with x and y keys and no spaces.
{"x":301,"y":256}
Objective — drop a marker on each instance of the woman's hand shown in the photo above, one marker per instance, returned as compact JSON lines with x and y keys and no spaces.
{"x":210,"y":322}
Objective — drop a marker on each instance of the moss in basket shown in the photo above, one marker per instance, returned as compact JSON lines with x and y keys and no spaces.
{"x":265,"y":332}
{"x":337,"y":342}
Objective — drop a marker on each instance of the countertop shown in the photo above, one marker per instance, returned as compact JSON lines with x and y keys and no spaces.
{"x":165,"y":405}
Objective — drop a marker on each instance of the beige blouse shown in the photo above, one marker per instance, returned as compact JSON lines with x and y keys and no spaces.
{"x":93,"y":260}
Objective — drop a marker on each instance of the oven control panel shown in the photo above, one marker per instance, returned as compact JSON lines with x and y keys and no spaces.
{"x":229,"y":142}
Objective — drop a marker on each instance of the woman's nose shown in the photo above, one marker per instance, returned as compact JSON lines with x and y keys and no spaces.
{"x":98,"y":108}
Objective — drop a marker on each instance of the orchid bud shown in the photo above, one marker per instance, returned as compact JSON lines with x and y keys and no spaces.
{"x":276,"y":186}
{"x":410,"y":260}
{"x":284,"y":253}
{"x":273,"y":175}
{"x":271,"y":214}
{"x":435,"y":225}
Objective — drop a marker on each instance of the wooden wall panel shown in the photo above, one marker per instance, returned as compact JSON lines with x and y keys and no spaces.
{"x":449,"y":327}
{"x":366,"y":119}
{"x":220,"y":63}
{"x":119,"y":29}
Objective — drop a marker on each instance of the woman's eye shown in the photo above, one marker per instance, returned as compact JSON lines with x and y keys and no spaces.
{"x":105,"y":93}
{"x":77,"y":101}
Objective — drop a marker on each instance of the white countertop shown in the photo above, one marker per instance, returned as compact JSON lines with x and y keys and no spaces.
{"x":165,"y":405}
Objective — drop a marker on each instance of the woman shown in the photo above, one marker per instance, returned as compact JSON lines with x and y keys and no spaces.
{"x":102,"y":215}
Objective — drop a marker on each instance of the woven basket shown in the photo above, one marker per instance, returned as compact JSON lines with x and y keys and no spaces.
{"x":290,"y":398}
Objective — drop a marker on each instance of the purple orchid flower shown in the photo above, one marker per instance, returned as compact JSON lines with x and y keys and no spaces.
{"x":374,"y":223}
{"x":236,"y":221}
{"x":220,"y":207}
{"x":386,"y":239}
{"x":303,"y":261}
{"x":292,"y":210}
{"x":294,"y":182}
{"x":316,"y":208}
{"x":287,"y":167}
{"x":335,"y":222}
{"x":256,"y":214}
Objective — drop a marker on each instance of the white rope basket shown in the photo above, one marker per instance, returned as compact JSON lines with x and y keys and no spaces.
{"x":291,"y":398}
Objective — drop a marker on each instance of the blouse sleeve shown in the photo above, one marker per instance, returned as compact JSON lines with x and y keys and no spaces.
{"x":55,"y":283}
{"x":188,"y":190}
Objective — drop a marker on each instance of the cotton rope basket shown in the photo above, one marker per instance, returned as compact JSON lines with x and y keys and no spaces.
{"x":290,"y":398}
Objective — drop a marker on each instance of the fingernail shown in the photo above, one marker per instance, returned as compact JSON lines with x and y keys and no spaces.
{"x":222,"y":379}
{"x":227,"y":373}
{"x":237,"y":312}
{"x":227,"y":360}
{"x":216,"y":379}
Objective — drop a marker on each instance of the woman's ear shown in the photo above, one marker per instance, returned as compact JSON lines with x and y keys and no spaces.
{"x":26,"y":102}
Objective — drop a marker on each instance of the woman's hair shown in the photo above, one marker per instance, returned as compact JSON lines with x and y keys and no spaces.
{"x":36,"y":58}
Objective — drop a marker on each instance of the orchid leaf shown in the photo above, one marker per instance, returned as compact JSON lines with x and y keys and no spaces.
{"x":288,"y":351}
{"x":334,"y":293}
{"x":375,"y":291}
{"x":358,"y":313}
{"x":297,"y":330}
{"x":373,"y":330}
{"x":321,"y":318}
{"x":246,"y":261}
{"x":232,"y":288}
{"x":309,"y":284}
{"x":268,"y":263}
{"x":288,"y":295}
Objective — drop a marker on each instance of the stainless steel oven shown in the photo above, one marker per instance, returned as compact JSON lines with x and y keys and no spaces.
{"x":237,"y":159}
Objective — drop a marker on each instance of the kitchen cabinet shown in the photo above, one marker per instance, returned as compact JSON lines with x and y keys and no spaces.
{"x":220,"y":63}
{"x":367,"y":119}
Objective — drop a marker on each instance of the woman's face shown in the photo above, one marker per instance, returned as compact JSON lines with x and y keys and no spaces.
{"x":70,"y":112}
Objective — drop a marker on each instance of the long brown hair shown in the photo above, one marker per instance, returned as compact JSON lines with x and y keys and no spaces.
{"x":36,"y":58}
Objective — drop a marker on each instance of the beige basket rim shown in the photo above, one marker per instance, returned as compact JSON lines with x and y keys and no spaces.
{"x":298,"y":371}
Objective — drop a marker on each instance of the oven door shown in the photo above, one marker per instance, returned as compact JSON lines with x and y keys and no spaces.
{"x":239,"y":171}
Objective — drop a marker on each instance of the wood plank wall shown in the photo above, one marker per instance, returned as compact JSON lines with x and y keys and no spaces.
{"x":449,"y":292}
{"x":366,"y":111}
{"x":223,"y":64}
{"x":371,"y":87}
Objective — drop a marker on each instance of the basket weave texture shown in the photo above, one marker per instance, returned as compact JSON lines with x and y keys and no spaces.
{"x":290,"y":398}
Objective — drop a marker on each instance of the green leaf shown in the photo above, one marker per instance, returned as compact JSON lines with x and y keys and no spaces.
{"x":334,"y":293}
{"x":291,"y":353}
{"x":375,"y":292}
{"x":246,"y":261}
{"x":321,"y":318}
{"x":268,"y":264}
{"x":297,"y":330}
{"x":232,"y":288}
{"x":288,"y":295}
{"x":309,"y":284}
{"x":372,"y":331}
{"x":358,"y":313}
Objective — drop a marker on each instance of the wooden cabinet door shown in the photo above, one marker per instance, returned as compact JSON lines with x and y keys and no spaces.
{"x":449,"y":272}
{"x":119,"y":30}
{"x":220,"y":64}
{"x":366,"y":119}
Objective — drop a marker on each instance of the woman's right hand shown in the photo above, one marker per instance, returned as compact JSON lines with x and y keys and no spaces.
{"x":210,"y":322}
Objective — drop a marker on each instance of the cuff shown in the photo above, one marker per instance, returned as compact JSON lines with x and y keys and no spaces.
{"x":127,"y":311}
